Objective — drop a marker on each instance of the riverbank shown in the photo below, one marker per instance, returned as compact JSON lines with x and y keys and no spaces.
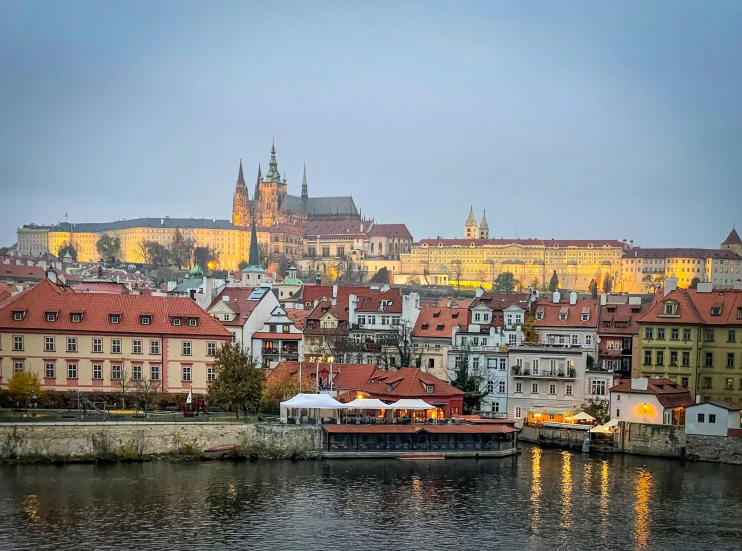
{"x":125,"y":441}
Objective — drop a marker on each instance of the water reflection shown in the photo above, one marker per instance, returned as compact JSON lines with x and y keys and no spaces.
{"x":604,"y":498}
{"x":31,"y":508}
{"x":536,"y":489}
{"x":641,"y":508}
{"x":566,"y":489}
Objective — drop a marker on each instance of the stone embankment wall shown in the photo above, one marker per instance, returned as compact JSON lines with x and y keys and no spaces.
{"x":721,"y":449}
{"x":657,"y":440}
{"x":71,"y":441}
{"x":560,"y":438}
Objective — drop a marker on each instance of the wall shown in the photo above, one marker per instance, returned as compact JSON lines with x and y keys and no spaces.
{"x":721,"y":449}
{"x":630,"y":407}
{"x":657,"y":440}
{"x":562,"y":438}
{"x":90,"y":440}
{"x":717,"y":428}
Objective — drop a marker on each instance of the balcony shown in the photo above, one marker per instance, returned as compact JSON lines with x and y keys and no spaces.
{"x":519,"y":372}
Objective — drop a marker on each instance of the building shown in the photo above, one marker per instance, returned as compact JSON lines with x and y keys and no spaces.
{"x":271,"y":204}
{"x":650,"y":401}
{"x":693,"y":337}
{"x":618,"y":333}
{"x":94,"y":341}
{"x":243,"y":311}
{"x":571,"y":322}
{"x":713,"y":419}
{"x":278,"y":340}
{"x":432,"y":334}
{"x":542,"y":376}
{"x":733,"y":242}
{"x":33,"y":240}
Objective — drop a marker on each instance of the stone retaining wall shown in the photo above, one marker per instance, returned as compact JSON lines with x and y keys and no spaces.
{"x":139,"y":440}
{"x":657,"y":440}
{"x":722,"y":449}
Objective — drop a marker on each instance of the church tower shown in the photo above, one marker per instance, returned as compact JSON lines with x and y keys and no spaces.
{"x":240,"y":203}
{"x":470,"y":228}
{"x":272,"y":192}
{"x":484,"y":229}
{"x":733,"y":242}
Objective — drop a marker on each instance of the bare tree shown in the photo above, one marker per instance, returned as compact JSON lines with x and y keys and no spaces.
{"x":456,"y":270}
{"x":122,"y":383}
{"x":146,"y":392}
{"x":397,"y":350}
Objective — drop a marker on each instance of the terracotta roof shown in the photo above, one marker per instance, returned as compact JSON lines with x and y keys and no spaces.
{"x":552,"y":311}
{"x":97,"y":309}
{"x":19,"y":272}
{"x":339,"y":310}
{"x":343,"y":228}
{"x":372,"y":302}
{"x":694,"y":307}
{"x":238,"y":303}
{"x":350,"y":377}
{"x":501,"y":301}
{"x":318,"y":292}
{"x":662,"y":253}
{"x":434,"y":321}
{"x":390,"y":230}
{"x":408,"y":382}
{"x":299,"y":317}
{"x":548,"y":243}
{"x":100,"y":287}
{"x":668,"y":393}
{"x":621,"y":313}
{"x":732,"y":238}
{"x":297,"y":229}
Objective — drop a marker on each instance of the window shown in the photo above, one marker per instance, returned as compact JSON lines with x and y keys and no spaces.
{"x":648,"y":333}
{"x":17,"y":342}
{"x":477,"y":317}
{"x":575,"y":339}
{"x":684,"y":382}
{"x":729,"y":384}
{"x":716,"y":310}
{"x":660,"y":357}
{"x":234,"y":337}
{"x":186,"y":348}
{"x":709,"y":335}
{"x":674,"y":358}
{"x":535,"y":367}
{"x":674,"y":334}
{"x":568,"y":390}
{"x":431,"y":363}
{"x":518,"y":413}
{"x":552,"y":388}
{"x":709,"y":359}
{"x":97,"y":371}
{"x":701,"y":418}
{"x":97,"y":345}
{"x":192,"y":322}
{"x":501,"y":387}
{"x":48,"y":344}
{"x":136,"y":373}
{"x":71,"y":344}
{"x":518,"y":387}
{"x":534,"y":388}
{"x":145,"y":320}
{"x":712,"y":418}
{"x":72,"y":371}
{"x":686,"y":359}
{"x":115,"y":318}
{"x":618,"y":413}
{"x":17,"y":316}
{"x":598,"y":388}
{"x":732,"y":337}
{"x":76,"y":318}
{"x":154,"y":347}
{"x":210,"y":375}
{"x":136,"y":346}
{"x":211,"y":349}
{"x":115,"y":346}
{"x":17,"y":366}
{"x":325,"y":251}
{"x":670,"y":308}
{"x":154,"y":372}
{"x":647,"y":357}
{"x":187,"y":373}
{"x":502,"y":364}
{"x":175,"y":321}
{"x":512,"y":339}
{"x":475,"y":362}
{"x":484,"y":341}
{"x":286,"y":329}
{"x":562,"y":316}
{"x":707,"y":383}
{"x":115,"y":372}
{"x":661,"y":333}
{"x":490,"y":386}
{"x":589,"y":340}
{"x":51,"y":316}
{"x":618,"y":397}
{"x":585,"y":316}
{"x":49,"y":371}
{"x":686,"y":334}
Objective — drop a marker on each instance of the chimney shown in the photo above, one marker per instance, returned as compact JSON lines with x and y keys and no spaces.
{"x":335,"y":291}
{"x":556,"y":297}
{"x":209,"y":286}
{"x":334,"y":301}
{"x":603,"y":299}
{"x":171,"y":284}
{"x":631,"y":244}
{"x":479,"y":292}
{"x":361,"y":227}
{"x":316,"y":302}
{"x":51,"y":275}
{"x":572,"y":298}
{"x":352,"y":308}
{"x":705,"y":287}
{"x":671,"y":284}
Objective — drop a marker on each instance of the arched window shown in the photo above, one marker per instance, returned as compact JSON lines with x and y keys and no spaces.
{"x":372,"y":247}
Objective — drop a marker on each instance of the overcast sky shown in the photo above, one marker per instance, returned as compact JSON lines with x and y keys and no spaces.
{"x":562,"y":119}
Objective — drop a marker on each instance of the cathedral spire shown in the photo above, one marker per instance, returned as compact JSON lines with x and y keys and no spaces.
{"x":256,"y":195}
{"x":240,"y":177}
{"x":273,"y":175}
{"x":254,"y":258}
{"x":304,"y":188}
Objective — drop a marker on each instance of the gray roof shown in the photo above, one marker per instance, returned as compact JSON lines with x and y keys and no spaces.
{"x":320,"y":205}
{"x":202,"y":223}
{"x":187,"y":284}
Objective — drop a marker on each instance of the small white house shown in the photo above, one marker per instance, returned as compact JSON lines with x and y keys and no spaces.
{"x":713,"y":419}
{"x":650,"y":401}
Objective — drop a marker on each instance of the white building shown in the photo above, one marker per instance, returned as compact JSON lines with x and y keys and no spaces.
{"x":572,"y":322}
{"x":713,"y":419}
{"x":598,"y":384}
{"x":277,"y":341}
{"x":543,"y":376}
{"x":650,"y":401}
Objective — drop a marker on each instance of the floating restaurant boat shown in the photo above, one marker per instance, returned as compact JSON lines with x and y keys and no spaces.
{"x":421,"y":457}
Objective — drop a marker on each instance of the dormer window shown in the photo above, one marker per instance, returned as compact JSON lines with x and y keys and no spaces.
{"x":429,"y":389}
{"x":115,"y":318}
{"x":192,"y":322}
{"x":739,"y":312}
{"x":455,"y":316}
{"x":145,"y":320}
{"x":439,"y":327}
{"x":716,"y":310}
{"x":51,"y":316}
{"x":586,"y":316}
{"x":425,"y":326}
{"x":670,"y":308}
{"x":539,"y":315}
{"x":19,"y":315}
{"x":175,"y":321}
{"x":437,"y":314}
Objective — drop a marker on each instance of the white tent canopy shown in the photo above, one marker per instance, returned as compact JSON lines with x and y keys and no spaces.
{"x":409,"y":403}
{"x":582,"y":416}
{"x":313,"y":401}
{"x":601,"y":429}
{"x":611,"y":423}
{"x":367,"y":403}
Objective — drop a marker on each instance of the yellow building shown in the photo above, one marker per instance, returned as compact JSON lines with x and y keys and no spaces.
{"x":94,"y":341}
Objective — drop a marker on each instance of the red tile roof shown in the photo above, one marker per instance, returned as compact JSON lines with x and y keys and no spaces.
{"x":100,"y":287}
{"x":548,"y":243}
{"x":344,"y":228}
{"x":238,"y":303}
{"x":552,"y":311}
{"x":97,"y":309}
{"x":502,"y":301}
{"x":17,"y":272}
{"x":297,"y":229}
{"x":408,"y":382}
{"x":668,"y":393}
{"x":299,"y":317}
{"x":390,"y":230}
{"x":732,"y":238}
{"x":372,"y":302}
{"x":621,"y":313}
{"x":434,"y":321}
{"x":640,"y":252}
{"x":318,"y":292}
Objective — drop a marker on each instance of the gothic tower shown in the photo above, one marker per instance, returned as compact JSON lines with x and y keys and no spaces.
{"x":470,"y":228}
{"x":484,"y":229}
{"x":240,"y":203}
{"x":272,"y":192}
{"x":733,"y":242}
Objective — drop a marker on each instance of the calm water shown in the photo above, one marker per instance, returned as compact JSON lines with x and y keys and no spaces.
{"x":545,"y":499}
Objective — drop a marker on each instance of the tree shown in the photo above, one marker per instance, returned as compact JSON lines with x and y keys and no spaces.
{"x":141,"y":252}
{"x":123,"y":384}
{"x":598,"y":409}
{"x":466,"y":379}
{"x":504,"y":283}
{"x":593,"y":288}
{"x":607,"y":283}
{"x":338,"y":347}
{"x":382,"y":276}
{"x":65,"y":248}
{"x":281,"y":384}
{"x":206,"y":257}
{"x":24,"y":385}
{"x":413,"y":280}
{"x":242,"y":265}
{"x":109,"y":248}
{"x":239,"y":382}
{"x":529,"y":330}
{"x":146,"y":392}
{"x":554,"y":282}
{"x":694,"y":283}
{"x":535,"y":284}
{"x":163,"y":275}
{"x":181,"y":249}
{"x":398,"y":351}
{"x":481,"y":277}
{"x":456,"y":270}
{"x":153,"y":253}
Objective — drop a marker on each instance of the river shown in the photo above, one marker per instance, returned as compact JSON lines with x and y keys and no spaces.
{"x":544,"y":499}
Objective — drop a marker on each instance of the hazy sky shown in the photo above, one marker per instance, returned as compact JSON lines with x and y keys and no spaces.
{"x":563,"y":119}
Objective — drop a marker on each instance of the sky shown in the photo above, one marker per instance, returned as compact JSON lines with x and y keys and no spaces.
{"x":563,"y":120}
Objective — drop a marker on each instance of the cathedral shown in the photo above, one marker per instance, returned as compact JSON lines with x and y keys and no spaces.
{"x":271,"y":204}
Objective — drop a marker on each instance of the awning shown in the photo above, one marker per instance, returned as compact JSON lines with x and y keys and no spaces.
{"x":601,"y":429}
{"x":611,"y":423}
{"x":554,"y":411}
{"x":313,"y":401}
{"x":582,"y":416}
{"x":409,"y":403}
{"x":367,"y":403}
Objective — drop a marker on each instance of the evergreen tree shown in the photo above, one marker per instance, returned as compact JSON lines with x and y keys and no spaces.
{"x":593,"y":287}
{"x":239,"y":382}
{"x":554,"y":282}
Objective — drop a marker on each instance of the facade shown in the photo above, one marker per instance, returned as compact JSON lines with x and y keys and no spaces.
{"x":618,"y":333}
{"x":571,"y":323}
{"x":278,"y":340}
{"x":545,"y":377}
{"x":432,"y":334}
{"x":713,"y":419}
{"x":649,"y":401}
{"x":94,"y":341}
{"x":33,"y":240}
{"x":243,"y":311}
{"x":694,"y":338}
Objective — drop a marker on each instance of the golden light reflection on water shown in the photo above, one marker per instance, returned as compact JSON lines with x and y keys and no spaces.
{"x":566,"y":489}
{"x":604,"y":498}
{"x":417,"y":484}
{"x":31,"y":508}
{"x":536,"y":490}
{"x":641,"y":508}
{"x":231,"y":491}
